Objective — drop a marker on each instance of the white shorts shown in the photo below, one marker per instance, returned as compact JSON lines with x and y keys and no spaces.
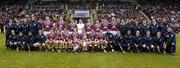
{"x":104,"y":32}
{"x":84,"y":44}
{"x":46,"y":33}
{"x":113,"y":32}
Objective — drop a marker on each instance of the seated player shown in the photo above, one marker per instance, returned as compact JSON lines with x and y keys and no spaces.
{"x":137,"y":42}
{"x":68,"y":40}
{"x":159,"y":40}
{"x":60,"y":42}
{"x":84,"y":42}
{"x":21,"y":41}
{"x":49,"y":43}
{"x":80,"y":40}
{"x":102,"y":41}
{"x":30,"y":39}
{"x":128,"y":41}
{"x":148,"y":42}
{"x":12,"y":40}
{"x":40,"y":41}
{"x":119,"y":41}
{"x":75,"y":44}
{"x":92,"y":42}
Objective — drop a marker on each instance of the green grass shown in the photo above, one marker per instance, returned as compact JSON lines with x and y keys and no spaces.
{"x":23,"y":59}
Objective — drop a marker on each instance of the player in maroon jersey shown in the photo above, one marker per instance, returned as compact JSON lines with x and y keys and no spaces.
{"x":61,"y":24}
{"x":75,"y":43}
{"x":50,"y":40}
{"x":88,"y":26}
{"x":80,"y":40}
{"x":68,"y":40}
{"x":47,"y":26}
{"x":102,"y":40}
{"x":104,"y":25}
{"x":92,"y":41}
{"x":113,"y":26}
{"x":72,"y":26}
{"x":61,"y":41}
{"x":97,"y":26}
{"x":85,"y":42}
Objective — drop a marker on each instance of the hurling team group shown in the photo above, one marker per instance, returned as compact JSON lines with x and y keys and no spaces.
{"x":105,"y":35}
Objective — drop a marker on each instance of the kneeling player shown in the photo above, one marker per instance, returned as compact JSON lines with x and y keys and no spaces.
{"x":159,"y":40}
{"x":40,"y":41}
{"x":128,"y":41}
{"x":29,"y":41}
{"x":49,"y":43}
{"x":137,"y":42}
{"x":119,"y":41}
{"x":12,"y":40}
{"x":147,"y":42}
{"x":75,"y":44}
{"x":21,"y":41}
{"x":111,"y":40}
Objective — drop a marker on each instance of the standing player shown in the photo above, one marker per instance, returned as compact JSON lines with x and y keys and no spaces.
{"x":97,"y":26}
{"x":170,"y":41}
{"x":144,"y":27}
{"x":105,"y":26}
{"x":80,"y":26}
{"x":154,"y":28}
{"x":113,"y":26}
{"x":47,"y":26}
{"x":9,"y":26}
{"x":61,"y":24}
{"x":88,"y":26}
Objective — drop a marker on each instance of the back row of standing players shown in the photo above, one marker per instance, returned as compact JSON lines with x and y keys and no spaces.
{"x":102,"y":35}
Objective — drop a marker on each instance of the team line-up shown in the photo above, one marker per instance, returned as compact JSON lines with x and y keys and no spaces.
{"x":102,"y":35}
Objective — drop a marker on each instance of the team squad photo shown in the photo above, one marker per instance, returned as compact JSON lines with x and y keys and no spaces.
{"x":54,"y":34}
{"x":89,"y":33}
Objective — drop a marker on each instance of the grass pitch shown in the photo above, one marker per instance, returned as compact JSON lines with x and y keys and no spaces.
{"x":23,"y":59}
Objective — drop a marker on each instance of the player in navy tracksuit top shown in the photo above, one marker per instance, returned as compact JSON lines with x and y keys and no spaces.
{"x":111,"y":40}
{"x":170,"y":41}
{"x":137,"y":42}
{"x":20,"y":40}
{"x":144,"y":27}
{"x":33,"y":27}
{"x":12,"y":40}
{"x":119,"y":41}
{"x":25,"y":27}
{"x":137,"y":27}
{"x":30,"y":39}
{"x":40,"y":40}
{"x":148,"y":42}
{"x":154,"y":28}
{"x":159,"y":40}
{"x":8,"y":26}
{"x":128,"y":38}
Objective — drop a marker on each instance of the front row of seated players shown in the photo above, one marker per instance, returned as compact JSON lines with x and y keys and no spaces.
{"x":92,"y":41}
